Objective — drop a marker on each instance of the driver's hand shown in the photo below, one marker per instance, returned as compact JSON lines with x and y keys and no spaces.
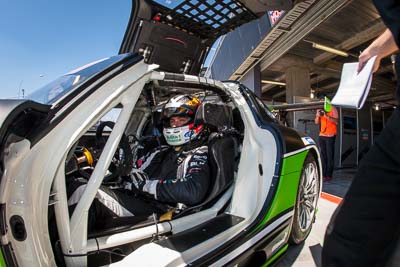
{"x":139,"y":183}
{"x":138,"y":179}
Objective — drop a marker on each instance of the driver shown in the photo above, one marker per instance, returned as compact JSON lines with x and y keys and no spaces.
{"x":170,"y":174}
{"x":177,"y":173}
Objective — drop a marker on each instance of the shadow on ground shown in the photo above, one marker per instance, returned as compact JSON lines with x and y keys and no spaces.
{"x":340,"y":183}
{"x":292,"y":254}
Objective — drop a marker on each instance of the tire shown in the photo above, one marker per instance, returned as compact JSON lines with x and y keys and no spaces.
{"x":306,"y":202}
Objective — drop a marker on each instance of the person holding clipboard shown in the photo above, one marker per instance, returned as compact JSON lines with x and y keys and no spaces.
{"x":365,"y":229}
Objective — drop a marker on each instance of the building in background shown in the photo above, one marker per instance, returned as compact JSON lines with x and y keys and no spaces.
{"x":291,"y":56}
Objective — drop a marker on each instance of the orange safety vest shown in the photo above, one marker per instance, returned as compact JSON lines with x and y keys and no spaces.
{"x":328,"y":128}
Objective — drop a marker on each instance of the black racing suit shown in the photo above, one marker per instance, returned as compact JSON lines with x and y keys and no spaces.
{"x":175,"y":177}
{"x":179,"y":176}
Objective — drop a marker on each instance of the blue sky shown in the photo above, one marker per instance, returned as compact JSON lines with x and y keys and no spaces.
{"x":41,"y":40}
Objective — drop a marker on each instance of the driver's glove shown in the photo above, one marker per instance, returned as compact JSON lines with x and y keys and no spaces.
{"x":139,"y":179}
{"x":140,"y":182}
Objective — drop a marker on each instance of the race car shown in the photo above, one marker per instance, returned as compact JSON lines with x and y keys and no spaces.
{"x":95,"y":122}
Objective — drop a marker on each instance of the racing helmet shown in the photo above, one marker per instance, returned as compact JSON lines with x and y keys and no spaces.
{"x":181,"y":106}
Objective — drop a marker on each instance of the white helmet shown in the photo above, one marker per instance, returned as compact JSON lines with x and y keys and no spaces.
{"x":181,"y":106}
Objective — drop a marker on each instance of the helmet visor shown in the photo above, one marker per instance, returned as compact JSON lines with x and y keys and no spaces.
{"x":177,"y":111}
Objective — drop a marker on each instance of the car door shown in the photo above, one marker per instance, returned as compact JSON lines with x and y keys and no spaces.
{"x":178,"y":34}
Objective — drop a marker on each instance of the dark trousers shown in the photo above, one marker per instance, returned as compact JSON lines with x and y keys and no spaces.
{"x":327,"y":149}
{"x":113,"y":207}
{"x":366,"y":227}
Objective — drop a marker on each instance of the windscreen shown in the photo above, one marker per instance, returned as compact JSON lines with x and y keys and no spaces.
{"x":67,"y":83}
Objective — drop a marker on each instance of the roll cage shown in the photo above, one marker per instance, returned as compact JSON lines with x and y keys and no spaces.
{"x":72,"y":236}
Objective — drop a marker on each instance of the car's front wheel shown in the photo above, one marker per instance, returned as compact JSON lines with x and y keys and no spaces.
{"x":306,"y":203}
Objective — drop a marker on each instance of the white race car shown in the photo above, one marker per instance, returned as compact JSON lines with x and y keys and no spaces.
{"x":266,"y":178}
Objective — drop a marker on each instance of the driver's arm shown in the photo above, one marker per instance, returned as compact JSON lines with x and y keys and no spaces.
{"x":192,"y":187}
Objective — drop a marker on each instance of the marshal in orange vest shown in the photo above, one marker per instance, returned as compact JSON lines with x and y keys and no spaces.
{"x":328,"y":127}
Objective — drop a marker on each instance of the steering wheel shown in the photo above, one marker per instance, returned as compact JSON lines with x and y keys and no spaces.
{"x":122,"y":162}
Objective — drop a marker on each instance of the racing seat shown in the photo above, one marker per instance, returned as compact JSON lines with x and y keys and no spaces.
{"x":223,"y":152}
{"x":222,"y":146}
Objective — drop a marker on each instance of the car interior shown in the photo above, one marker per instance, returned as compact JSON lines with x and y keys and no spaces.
{"x":143,"y":133}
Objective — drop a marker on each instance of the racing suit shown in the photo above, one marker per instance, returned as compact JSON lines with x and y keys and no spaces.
{"x":175,"y":177}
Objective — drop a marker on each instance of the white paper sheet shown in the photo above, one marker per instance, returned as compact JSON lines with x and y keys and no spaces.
{"x":354,"y":87}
